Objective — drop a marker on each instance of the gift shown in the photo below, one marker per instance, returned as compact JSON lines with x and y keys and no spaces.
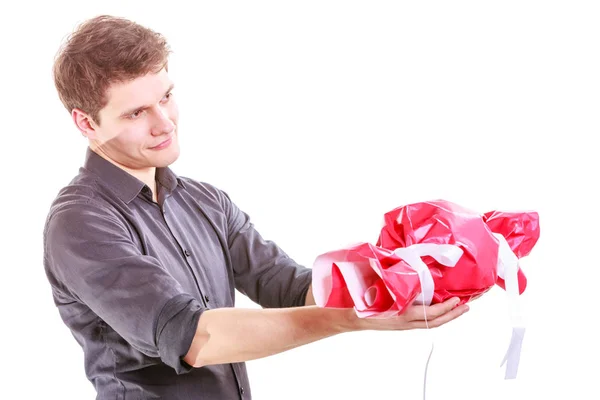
{"x":426,"y":253}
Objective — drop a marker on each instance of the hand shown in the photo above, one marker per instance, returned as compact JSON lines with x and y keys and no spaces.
{"x":414,"y":317}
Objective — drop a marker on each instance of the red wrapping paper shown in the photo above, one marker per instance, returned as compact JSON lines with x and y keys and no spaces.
{"x":378,"y":282}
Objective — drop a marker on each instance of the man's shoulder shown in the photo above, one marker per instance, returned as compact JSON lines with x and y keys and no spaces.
{"x":83,"y":185}
{"x":204,"y":191}
{"x":78,"y":197}
{"x":198,"y":184}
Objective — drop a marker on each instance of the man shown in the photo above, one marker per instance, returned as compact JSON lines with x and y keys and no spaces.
{"x":143,"y":263}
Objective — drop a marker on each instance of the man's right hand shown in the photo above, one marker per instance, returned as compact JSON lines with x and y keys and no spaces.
{"x":416,"y":317}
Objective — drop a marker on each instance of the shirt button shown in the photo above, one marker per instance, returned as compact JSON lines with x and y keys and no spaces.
{"x":206,"y":298}
{"x":187,"y":253}
{"x":242,"y":390}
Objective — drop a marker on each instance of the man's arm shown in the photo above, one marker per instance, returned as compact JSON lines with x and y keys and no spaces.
{"x":89,"y":256}
{"x":227,"y":335}
{"x":262,"y":270}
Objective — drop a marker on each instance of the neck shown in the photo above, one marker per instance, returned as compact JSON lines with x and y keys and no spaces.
{"x":146,"y":175}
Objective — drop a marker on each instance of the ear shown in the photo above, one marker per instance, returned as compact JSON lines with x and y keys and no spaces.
{"x":84,"y":123}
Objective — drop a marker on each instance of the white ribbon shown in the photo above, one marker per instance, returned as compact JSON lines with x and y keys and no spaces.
{"x":508,"y":268}
{"x":446,"y":254}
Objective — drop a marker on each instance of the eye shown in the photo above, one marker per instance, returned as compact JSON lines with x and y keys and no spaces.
{"x":167,"y":97}
{"x":135,"y":114}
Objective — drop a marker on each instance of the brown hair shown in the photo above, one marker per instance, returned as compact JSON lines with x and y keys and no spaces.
{"x":102,"y":51}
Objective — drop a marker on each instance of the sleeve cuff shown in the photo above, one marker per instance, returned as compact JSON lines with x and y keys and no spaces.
{"x":175,"y":330}
{"x":300,"y":288}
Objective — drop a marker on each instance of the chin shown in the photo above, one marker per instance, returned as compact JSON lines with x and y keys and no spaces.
{"x":165,"y":159}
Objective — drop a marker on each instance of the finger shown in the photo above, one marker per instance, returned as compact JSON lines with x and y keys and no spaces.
{"x":419,"y":313}
{"x":442,"y":319}
{"x":449,"y":316}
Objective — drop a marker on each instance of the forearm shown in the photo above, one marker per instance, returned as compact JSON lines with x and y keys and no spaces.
{"x":227,"y":335}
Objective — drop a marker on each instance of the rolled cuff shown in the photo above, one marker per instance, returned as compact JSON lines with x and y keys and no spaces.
{"x":299,"y":288}
{"x":175,"y":330}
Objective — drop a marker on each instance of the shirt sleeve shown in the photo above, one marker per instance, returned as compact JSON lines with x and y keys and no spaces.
{"x":262,"y":270}
{"x":91,"y":254}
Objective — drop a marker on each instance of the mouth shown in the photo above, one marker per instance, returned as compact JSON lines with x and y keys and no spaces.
{"x":163,"y":144}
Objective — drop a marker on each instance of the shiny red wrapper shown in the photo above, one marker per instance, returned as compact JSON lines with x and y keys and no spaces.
{"x":377,"y":281}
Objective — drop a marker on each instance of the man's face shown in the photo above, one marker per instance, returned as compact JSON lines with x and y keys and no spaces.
{"x":138,"y":126}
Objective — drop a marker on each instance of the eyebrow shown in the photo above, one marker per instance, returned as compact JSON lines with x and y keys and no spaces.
{"x":132,"y":110}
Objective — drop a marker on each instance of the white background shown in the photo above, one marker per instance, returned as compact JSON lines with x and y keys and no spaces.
{"x":317,"y":117}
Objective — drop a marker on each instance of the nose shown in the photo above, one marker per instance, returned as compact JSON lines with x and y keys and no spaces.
{"x":162,"y":122}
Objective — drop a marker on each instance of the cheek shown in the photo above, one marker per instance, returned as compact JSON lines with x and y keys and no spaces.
{"x":131,"y":136}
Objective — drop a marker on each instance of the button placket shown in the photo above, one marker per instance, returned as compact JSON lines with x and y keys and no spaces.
{"x":186,"y":252}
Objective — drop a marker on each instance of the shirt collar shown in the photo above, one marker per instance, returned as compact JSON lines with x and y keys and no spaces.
{"x":122,"y":183}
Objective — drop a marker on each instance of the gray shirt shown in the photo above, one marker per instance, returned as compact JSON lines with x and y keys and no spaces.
{"x":131,"y":277}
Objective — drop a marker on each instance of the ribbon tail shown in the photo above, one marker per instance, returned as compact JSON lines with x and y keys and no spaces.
{"x":508,"y":266}
{"x":425,"y":374}
{"x":512,"y":356}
